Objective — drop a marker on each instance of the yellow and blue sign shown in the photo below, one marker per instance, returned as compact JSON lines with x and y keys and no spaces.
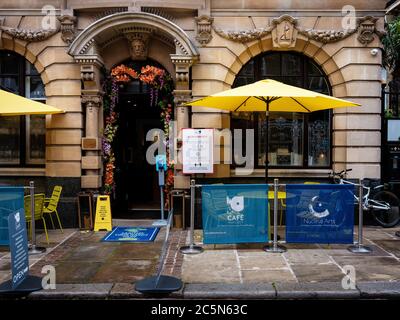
{"x":235,"y":213}
{"x":319,"y":213}
{"x":132,"y":234}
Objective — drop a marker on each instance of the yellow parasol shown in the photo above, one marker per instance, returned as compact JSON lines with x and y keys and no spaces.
{"x":14,"y":105}
{"x":270,"y":95}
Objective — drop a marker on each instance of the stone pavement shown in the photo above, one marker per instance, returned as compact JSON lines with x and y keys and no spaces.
{"x":89,"y":268}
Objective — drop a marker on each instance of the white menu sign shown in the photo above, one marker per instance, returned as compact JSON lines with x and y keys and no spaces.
{"x":197,"y":150}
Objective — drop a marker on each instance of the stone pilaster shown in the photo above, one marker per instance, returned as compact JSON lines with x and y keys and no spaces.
{"x":91,"y":144}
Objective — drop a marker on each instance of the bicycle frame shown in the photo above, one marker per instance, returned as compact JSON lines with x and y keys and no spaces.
{"x":367,"y":203}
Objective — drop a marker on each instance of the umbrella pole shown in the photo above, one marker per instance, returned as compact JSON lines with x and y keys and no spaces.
{"x":266,"y":141}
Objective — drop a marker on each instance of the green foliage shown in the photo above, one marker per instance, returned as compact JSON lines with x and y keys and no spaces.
{"x":391,"y":43}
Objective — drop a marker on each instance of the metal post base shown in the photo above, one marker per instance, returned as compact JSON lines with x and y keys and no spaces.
{"x":160,"y":223}
{"x":30,"y":284}
{"x":165,"y":284}
{"x":397,"y":234}
{"x":191,"y":249}
{"x":36,"y":250}
{"x":359,"y":249}
{"x":274,"y":249}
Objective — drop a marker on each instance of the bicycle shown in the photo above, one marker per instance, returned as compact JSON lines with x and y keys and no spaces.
{"x":384,"y":205}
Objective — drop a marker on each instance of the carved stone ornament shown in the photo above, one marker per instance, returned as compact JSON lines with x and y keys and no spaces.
{"x":67,"y":28}
{"x":284,"y":30}
{"x":138,"y":45}
{"x":204,"y":35}
{"x":366,"y":30}
{"x":92,"y":100}
{"x":284,"y":33}
{"x":28,"y":35}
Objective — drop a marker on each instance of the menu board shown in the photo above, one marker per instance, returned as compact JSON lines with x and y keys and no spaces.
{"x":197,"y":150}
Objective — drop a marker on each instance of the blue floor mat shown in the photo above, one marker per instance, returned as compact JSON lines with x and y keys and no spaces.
{"x":132,"y":234}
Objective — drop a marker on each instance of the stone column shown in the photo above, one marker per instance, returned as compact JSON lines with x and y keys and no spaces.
{"x":92,"y":101}
{"x":91,"y":143}
{"x":182,"y":94}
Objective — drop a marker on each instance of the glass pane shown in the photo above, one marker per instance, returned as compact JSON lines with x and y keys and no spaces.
{"x":10,"y":83}
{"x":34,"y":88}
{"x":318,"y":84}
{"x":9,"y":140}
{"x":285,"y":132}
{"x":9,"y":63}
{"x":293,"y":81}
{"x":292,"y":65}
{"x":36,"y":139}
{"x":319,"y":139}
{"x":30,"y":69}
{"x":270,"y":65}
{"x":313,"y":70}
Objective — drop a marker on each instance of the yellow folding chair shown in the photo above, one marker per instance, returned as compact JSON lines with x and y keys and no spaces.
{"x":50,"y":206}
{"x":38,"y":212}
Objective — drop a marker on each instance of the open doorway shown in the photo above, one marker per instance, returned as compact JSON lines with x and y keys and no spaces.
{"x":137,"y":191}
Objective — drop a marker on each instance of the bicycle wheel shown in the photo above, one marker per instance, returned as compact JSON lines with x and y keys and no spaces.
{"x":387,"y":218}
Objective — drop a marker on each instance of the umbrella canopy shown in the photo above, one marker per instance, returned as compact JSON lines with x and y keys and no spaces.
{"x":275,"y":95}
{"x":270,"y":95}
{"x":14,"y":105}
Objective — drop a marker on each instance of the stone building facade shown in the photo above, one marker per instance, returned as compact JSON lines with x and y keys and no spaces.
{"x":205,"y":46}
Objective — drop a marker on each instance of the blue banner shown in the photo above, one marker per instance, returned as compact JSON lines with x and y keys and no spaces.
{"x":11,"y":199}
{"x":234,"y":213}
{"x":18,"y":247}
{"x":319,"y":213}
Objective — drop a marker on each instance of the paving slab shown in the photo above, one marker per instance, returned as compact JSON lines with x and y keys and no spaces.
{"x":370,"y":268}
{"x":136,"y":251}
{"x":76,"y":272}
{"x":305,"y":257}
{"x":211,"y":266}
{"x":229,"y":291}
{"x":325,"y":290}
{"x":379,"y":289}
{"x":124,"y":270}
{"x":71,"y":291}
{"x":392,"y":246}
{"x":267,"y":276}
{"x":257,"y":261}
{"x":318,"y":273}
{"x":96,"y":252}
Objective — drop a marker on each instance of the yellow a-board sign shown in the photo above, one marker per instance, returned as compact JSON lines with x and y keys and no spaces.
{"x":103,"y":214}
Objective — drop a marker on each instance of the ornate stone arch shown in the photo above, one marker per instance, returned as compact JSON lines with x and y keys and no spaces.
{"x":309,"y":48}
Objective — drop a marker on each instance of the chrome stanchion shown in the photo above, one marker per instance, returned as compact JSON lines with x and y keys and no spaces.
{"x":160,"y":284}
{"x":275,"y":248}
{"x":192,"y":248}
{"x":33,"y":248}
{"x":359,"y":247}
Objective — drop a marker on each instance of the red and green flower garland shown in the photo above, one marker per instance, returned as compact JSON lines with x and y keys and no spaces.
{"x":160,"y":83}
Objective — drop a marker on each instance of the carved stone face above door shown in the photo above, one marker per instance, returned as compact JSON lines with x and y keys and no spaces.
{"x":138,"y":45}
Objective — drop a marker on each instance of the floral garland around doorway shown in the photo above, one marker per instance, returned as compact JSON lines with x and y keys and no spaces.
{"x":161,"y":86}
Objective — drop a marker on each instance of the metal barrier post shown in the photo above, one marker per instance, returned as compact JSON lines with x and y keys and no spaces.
{"x":160,"y":283}
{"x":192,"y":248}
{"x":275,"y":247}
{"x":359,"y":247}
{"x":33,"y":249}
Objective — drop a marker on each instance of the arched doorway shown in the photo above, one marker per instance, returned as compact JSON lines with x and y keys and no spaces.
{"x":137,"y":192}
{"x":296,"y":140}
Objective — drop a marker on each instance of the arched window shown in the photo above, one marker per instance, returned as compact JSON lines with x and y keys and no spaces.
{"x":295,"y":139}
{"x":22,"y":138}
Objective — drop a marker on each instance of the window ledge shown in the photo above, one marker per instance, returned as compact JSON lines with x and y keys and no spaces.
{"x":40,"y":172}
{"x":287,"y":173}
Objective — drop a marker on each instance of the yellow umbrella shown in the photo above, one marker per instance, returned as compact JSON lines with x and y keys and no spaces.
{"x":270,"y":95}
{"x":14,"y":105}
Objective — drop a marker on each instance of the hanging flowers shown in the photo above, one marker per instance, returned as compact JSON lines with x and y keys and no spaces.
{"x":160,"y":84}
